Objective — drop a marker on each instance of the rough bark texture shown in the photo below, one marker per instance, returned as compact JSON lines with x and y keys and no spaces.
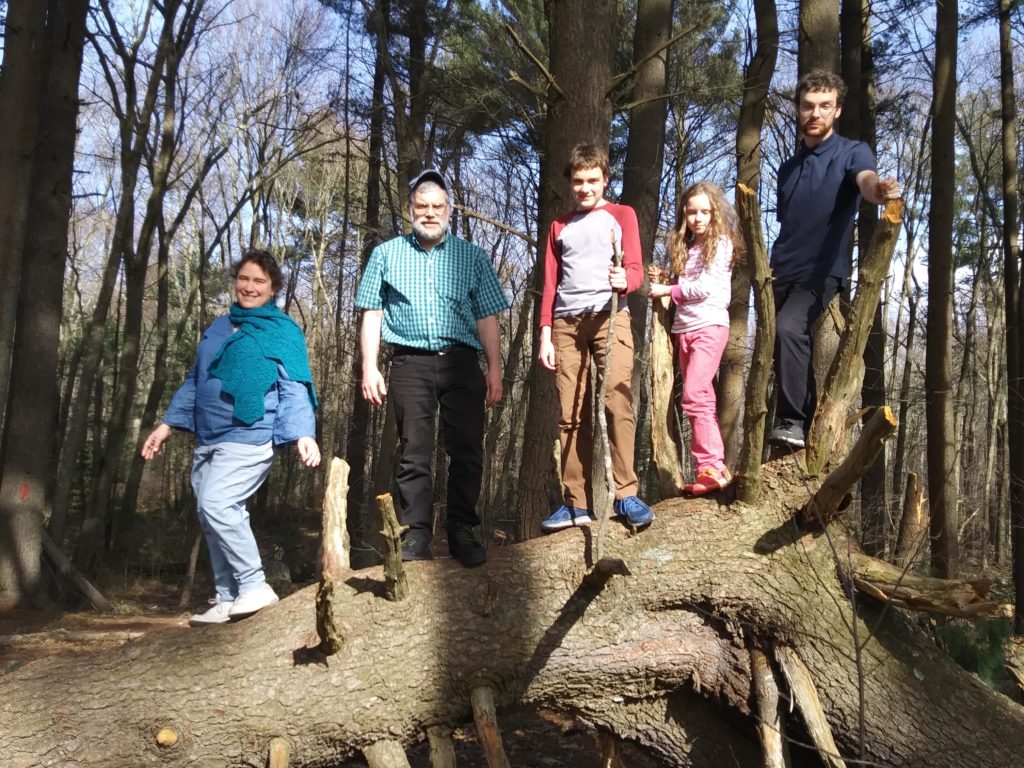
{"x":656,"y":656}
{"x":943,"y":483}
{"x":578,"y":111}
{"x":664,"y":446}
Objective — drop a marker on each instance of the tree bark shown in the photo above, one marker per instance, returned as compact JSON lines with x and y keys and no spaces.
{"x":818,"y":36}
{"x":1014,"y":300}
{"x":29,"y":437}
{"x":943,"y":489}
{"x":578,"y":111}
{"x":757,"y":79}
{"x":540,"y":628}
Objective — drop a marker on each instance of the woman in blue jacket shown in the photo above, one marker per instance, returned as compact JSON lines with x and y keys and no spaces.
{"x":249,"y":389}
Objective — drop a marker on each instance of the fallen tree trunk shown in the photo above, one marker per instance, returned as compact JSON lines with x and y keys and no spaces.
{"x":657,"y":654}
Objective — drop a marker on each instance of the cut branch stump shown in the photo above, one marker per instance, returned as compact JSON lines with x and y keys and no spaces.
{"x":442,"y":749}
{"x":825,"y":504}
{"x":386,"y":754}
{"x":769,"y":722}
{"x":396,"y":585}
{"x":486,"y":719}
{"x":280,"y":751}
{"x":913,"y":531}
{"x":664,"y":448}
{"x":335,"y":559}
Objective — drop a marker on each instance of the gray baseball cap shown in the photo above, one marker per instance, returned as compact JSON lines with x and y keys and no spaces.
{"x":431,"y":174}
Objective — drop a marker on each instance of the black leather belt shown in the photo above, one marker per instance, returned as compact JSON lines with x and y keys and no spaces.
{"x":398,"y":349}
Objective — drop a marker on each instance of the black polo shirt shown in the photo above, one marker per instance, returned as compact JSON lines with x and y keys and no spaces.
{"x":817,"y":201}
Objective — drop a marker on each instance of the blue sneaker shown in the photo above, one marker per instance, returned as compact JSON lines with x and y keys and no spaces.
{"x":564,"y":517}
{"x":637,"y":514}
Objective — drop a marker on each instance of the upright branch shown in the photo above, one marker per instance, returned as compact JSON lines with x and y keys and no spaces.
{"x":843,"y":381}
{"x":602,"y":419}
{"x":755,"y":410}
{"x":396,"y":586}
{"x":823,"y":507}
{"x":664,"y":450}
{"x":335,"y":560}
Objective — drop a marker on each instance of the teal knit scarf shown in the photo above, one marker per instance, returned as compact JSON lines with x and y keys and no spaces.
{"x":247,"y":362}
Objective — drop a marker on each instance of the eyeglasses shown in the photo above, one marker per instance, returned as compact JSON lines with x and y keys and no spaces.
{"x":423,"y":208}
{"x":827,"y":108}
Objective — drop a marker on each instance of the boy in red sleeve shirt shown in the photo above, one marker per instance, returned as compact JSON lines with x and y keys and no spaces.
{"x":579,"y":277}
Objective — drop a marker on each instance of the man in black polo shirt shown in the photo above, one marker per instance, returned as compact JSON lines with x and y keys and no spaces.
{"x":819,"y":191}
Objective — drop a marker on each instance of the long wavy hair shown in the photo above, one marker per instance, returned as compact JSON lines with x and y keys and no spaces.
{"x":724,"y":223}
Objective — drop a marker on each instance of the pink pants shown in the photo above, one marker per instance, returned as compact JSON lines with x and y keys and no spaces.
{"x":700,"y":352}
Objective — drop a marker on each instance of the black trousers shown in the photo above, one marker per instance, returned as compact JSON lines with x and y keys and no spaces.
{"x":419,"y":385}
{"x":798,"y":304}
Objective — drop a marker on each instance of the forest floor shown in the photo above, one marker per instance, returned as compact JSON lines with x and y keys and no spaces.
{"x":533,"y":739}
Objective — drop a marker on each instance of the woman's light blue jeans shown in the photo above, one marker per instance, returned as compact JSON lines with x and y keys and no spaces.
{"x":224,"y":476}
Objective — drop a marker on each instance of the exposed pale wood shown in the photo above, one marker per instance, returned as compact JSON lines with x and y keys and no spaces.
{"x":166,"y":737}
{"x":805,"y":694}
{"x":487,"y":731}
{"x":66,"y":569}
{"x":843,"y":382}
{"x":335,"y":519}
{"x":611,"y":755}
{"x":826,"y":502}
{"x":335,"y":559}
{"x":396,"y":585}
{"x":755,"y":409}
{"x":911,"y":540}
{"x":664,"y":448}
{"x":949,"y":597}
{"x":279,"y":753}
{"x":386,"y":754}
{"x":442,"y":749}
{"x":766,"y":699}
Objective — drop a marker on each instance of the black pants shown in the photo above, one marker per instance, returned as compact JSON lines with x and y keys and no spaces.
{"x":797,"y":305}
{"x":419,"y":385}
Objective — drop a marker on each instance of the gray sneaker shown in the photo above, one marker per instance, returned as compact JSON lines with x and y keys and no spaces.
{"x":787,"y":435}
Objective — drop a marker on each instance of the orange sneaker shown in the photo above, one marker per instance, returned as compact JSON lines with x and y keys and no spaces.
{"x":710,"y":479}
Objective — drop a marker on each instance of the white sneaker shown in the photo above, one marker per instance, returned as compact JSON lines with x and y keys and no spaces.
{"x":218,"y":614}
{"x":254,"y":600}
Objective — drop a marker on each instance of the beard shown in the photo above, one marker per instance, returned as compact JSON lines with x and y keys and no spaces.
{"x":431,"y":235}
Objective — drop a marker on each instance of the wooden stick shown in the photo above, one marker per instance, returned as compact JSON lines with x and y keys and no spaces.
{"x":335,"y":560}
{"x":769,"y":723}
{"x":950,"y":597}
{"x":755,"y":409}
{"x":442,"y":749}
{"x":821,"y":510}
{"x":396,"y":586}
{"x":486,"y":719}
{"x":602,"y":418}
{"x":801,"y":687}
{"x":280,"y":751}
{"x":844,"y":378}
{"x":386,"y":754}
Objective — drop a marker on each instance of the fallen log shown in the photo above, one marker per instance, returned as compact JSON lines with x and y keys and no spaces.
{"x":658,"y":657}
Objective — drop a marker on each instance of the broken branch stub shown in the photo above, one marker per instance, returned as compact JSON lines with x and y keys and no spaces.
{"x":396,"y":585}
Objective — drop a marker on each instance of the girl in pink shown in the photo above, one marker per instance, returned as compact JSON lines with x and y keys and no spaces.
{"x":704,"y":244}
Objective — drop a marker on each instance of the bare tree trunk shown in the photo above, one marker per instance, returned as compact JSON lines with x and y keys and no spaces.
{"x":578,"y":110}
{"x":1014,"y":298}
{"x":29,"y":464}
{"x":943,"y":487}
{"x":818,"y":36}
{"x":23,"y":77}
{"x":757,"y":80}
{"x":641,"y":174}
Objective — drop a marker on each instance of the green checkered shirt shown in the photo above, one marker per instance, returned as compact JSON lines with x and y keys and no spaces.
{"x":430,"y":300}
